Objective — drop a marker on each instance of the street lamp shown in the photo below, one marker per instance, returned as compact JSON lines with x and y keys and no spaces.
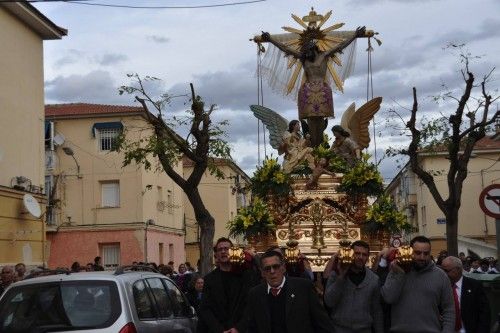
{"x":68,"y":151}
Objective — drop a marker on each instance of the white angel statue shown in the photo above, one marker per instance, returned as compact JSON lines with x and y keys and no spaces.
{"x":286,"y":138}
{"x":352,"y":135}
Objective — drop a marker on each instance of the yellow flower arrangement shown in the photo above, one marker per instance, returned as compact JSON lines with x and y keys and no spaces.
{"x":383,"y":215}
{"x":362,"y":178}
{"x":270,"y":179}
{"x":252,"y":220}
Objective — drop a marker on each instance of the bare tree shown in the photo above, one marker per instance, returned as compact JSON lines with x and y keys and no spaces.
{"x":204,"y":142}
{"x":457,"y":134}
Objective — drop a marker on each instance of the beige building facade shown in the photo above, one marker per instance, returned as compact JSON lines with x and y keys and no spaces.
{"x":23,"y":30}
{"x":123,"y":214}
{"x":476,"y":230}
{"x":222,"y":198}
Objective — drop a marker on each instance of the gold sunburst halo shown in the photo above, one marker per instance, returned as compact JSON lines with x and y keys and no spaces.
{"x":299,"y":21}
{"x":295,"y":75}
{"x":292,"y":30}
{"x":312,"y":24}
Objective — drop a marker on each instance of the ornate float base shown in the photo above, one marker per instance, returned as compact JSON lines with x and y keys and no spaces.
{"x":261,"y":242}
{"x":318,"y":219}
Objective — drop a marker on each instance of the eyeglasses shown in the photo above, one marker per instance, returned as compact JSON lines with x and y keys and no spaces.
{"x":271,"y":267}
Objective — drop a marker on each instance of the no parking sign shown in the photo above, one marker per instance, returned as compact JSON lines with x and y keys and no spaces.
{"x":489,"y":200}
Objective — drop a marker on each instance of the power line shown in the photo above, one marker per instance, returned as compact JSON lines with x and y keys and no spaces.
{"x":79,"y":2}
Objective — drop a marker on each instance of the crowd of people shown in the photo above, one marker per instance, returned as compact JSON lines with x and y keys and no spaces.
{"x":271,"y":295}
{"x":11,"y":274}
{"x":268,"y":294}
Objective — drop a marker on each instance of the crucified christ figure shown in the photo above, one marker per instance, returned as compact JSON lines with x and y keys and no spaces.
{"x":315,"y":102}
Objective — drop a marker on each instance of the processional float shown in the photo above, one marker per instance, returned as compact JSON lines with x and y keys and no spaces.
{"x":317,"y":217}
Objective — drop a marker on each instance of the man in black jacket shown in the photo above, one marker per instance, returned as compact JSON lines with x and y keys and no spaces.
{"x":225,"y":291}
{"x":472,"y":302}
{"x":284,"y":304}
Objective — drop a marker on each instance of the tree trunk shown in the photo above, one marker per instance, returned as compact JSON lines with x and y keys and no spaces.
{"x":207,"y":229}
{"x":452,"y":231}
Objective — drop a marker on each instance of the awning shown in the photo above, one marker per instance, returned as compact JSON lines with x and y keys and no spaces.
{"x":108,"y":125}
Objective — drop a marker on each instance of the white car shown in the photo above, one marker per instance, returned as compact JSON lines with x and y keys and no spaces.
{"x":124,"y":301}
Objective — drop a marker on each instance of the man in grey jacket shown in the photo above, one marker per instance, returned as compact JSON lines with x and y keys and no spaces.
{"x":420,"y":296}
{"x":353,"y":295}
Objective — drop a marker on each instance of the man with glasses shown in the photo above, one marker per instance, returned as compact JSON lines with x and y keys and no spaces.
{"x":224,"y":294}
{"x":353,"y":295}
{"x":420,"y":295}
{"x":471,"y":304}
{"x":284,"y":304}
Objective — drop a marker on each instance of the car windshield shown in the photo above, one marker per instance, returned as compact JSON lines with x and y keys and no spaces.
{"x":66,"y":305}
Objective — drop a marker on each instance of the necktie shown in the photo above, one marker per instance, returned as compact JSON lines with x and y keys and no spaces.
{"x":275,"y":291}
{"x":458,"y":317}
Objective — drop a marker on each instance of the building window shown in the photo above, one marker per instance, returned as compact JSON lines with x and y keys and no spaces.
{"x":107,"y":137}
{"x":160,"y":253}
{"x":110,"y":194}
{"x":110,"y":256}
{"x":171,"y":252}
{"x":107,"y":134}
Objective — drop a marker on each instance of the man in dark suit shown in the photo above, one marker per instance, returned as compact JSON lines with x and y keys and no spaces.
{"x":224,"y":294}
{"x":284,"y":304}
{"x":472,"y":301}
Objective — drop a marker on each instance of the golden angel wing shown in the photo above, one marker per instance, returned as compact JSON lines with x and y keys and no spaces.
{"x":360,"y":120}
{"x":346,"y":116}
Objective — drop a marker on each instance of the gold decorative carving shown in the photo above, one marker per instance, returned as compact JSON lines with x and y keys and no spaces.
{"x":316,"y":221}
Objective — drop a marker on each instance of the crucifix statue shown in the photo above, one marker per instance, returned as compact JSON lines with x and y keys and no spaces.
{"x":314,"y":52}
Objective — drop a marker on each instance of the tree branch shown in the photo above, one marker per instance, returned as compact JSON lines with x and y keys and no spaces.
{"x":426,"y":177}
{"x":163,"y":131}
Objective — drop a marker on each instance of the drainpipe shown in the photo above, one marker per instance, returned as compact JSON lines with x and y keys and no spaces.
{"x":146,"y":242}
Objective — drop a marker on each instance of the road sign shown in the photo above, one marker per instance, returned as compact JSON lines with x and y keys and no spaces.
{"x":489,"y":200}
{"x":441,"y":220}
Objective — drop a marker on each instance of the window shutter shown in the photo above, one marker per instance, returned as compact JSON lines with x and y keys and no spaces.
{"x":110,"y":194}
{"x":111,"y":255}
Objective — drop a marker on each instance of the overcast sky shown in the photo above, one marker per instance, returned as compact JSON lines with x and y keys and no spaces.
{"x":210,"y":47}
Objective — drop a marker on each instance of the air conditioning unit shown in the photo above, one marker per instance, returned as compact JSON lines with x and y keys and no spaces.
{"x":20,"y":183}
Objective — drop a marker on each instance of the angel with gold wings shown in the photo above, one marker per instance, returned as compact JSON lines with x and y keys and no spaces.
{"x":286,"y":138}
{"x":354,"y":124}
{"x":313,"y":51}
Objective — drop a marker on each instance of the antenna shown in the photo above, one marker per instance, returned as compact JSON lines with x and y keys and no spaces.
{"x":32,"y":206}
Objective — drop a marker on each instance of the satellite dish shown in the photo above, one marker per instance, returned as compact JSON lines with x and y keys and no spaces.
{"x":58,"y":139}
{"x":32,"y":206}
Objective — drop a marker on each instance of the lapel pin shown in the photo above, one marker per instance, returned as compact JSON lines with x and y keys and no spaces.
{"x":469,"y":291}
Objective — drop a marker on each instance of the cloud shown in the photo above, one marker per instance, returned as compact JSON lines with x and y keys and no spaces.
{"x":95,"y":87}
{"x":72,"y":56}
{"x":458,"y":36}
{"x":233,"y":89}
{"x":158,"y":39}
{"x":378,"y":2}
{"x":110,"y":59}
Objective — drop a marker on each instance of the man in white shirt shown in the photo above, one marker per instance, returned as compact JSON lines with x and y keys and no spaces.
{"x":470,"y":300}
{"x":284,"y":304}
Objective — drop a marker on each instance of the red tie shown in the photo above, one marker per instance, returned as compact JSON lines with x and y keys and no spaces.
{"x":275,"y":291}
{"x":458,"y":317}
